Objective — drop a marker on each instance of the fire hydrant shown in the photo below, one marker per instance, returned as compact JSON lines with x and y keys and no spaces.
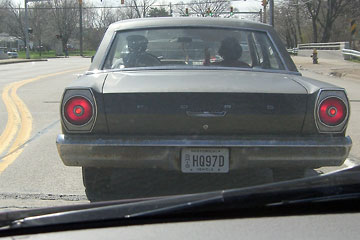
{"x":315,"y":56}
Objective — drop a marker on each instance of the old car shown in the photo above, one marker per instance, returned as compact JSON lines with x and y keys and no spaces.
{"x":196,"y":98}
{"x":13,"y":54}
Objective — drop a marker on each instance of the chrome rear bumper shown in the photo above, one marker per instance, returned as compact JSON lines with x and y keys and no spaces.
{"x":164,"y":152}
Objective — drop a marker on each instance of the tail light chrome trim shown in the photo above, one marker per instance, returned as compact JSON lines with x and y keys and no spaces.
{"x":87,"y":94}
{"x":323,"y":95}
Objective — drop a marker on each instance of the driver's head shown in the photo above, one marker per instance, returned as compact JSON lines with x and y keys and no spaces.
{"x":230,"y":49}
{"x":137,"y":43}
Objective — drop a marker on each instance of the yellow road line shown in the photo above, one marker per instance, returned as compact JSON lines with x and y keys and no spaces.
{"x":13,"y":121}
{"x":19,"y":117}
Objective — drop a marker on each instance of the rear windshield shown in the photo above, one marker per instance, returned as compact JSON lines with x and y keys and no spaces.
{"x":192,"y":47}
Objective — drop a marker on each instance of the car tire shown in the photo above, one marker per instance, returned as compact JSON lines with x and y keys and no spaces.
{"x":97,"y":183}
{"x":104,"y":184}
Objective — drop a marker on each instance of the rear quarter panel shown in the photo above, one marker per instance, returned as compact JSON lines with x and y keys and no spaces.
{"x":94,"y":82}
{"x":313,"y":88}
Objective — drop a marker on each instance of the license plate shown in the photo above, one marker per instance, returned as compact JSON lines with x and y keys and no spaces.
{"x":205,"y":160}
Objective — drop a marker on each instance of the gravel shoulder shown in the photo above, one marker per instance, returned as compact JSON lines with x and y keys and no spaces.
{"x":329,"y":67}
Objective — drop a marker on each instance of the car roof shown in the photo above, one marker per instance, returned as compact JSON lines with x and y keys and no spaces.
{"x":187,"y":22}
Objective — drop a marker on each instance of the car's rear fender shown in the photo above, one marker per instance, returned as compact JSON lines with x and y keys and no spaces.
{"x":94,"y":84}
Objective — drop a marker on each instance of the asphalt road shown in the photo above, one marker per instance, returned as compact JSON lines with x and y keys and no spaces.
{"x":31,"y":172}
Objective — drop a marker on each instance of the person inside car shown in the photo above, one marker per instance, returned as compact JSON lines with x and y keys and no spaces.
{"x":230,"y":50}
{"x":137,"y":56}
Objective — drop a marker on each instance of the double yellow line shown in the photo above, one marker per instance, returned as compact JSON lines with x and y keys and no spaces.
{"x":19,"y":123}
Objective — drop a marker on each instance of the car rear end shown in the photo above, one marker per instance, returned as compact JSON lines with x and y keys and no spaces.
{"x":202,"y":119}
{"x":244,"y":128}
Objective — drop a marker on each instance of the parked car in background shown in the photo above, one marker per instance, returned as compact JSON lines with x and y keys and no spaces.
{"x":219,"y":97}
{"x":13,"y":54}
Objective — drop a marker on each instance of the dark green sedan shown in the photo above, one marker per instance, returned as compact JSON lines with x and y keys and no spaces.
{"x":201,"y":100}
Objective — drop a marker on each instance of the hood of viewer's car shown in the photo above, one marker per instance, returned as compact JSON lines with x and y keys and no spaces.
{"x":230,"y":81}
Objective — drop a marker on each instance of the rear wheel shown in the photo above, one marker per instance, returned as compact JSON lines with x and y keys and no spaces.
{"x":97,"y":183}
{"x":103,"y":184}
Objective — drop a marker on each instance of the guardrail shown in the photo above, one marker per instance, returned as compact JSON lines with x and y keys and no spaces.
{"x":324,"y":46}
{"x":350,"y":54}
{"x":293,"y":51}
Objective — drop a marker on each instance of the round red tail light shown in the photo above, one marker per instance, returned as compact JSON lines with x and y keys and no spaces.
{"x":332,"y":111}
{"x":78,"y":110}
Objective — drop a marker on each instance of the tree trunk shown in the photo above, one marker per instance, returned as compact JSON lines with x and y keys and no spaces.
{"x":298,"y":21}
{"x":327,"y":32}
{"x":333,"y":10}
{"x":315,"y":31}
{"x":288,"y":41}
{"x":314,"y":11}
{"x":137,"y":9}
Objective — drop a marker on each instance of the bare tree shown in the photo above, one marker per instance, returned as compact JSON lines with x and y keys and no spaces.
{"x":286,"y":24}
{"x":38,"y":18}
{"x":3,"y":14}
{"x":352,"y":9}
{"x":313,"y":10}
{"x":96,"y":21}
{"x":66,"y":18}
{"x":141,"y":7}
{"x":202,"y":7}
{"x":104,"y":17}
{"x":298,"y":19}
{"x":322,"y":15}
{"x":331,"y":10}
{"x":128,"y":12}
{"x":14,"y":19}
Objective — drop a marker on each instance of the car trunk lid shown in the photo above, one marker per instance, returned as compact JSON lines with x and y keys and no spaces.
{"x":207,"y":102}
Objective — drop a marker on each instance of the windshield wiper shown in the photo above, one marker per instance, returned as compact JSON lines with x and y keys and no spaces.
{"x":331,"y":187}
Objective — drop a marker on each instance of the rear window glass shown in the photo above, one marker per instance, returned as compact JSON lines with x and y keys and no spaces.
{"x":192,"y":47}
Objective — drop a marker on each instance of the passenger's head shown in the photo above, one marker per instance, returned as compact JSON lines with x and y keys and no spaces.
{"x":230,"y":49}
{"x":137,"y":43}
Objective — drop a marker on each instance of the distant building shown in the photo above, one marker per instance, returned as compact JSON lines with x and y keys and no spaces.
{"x":10,"y":43}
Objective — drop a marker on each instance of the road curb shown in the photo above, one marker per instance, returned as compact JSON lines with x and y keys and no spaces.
{"x":11,"y":61}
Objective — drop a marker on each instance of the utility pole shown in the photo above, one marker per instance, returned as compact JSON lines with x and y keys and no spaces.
{"x":26,"y":31}
{"x":271,"y":9}
{"x":81,"y":28}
